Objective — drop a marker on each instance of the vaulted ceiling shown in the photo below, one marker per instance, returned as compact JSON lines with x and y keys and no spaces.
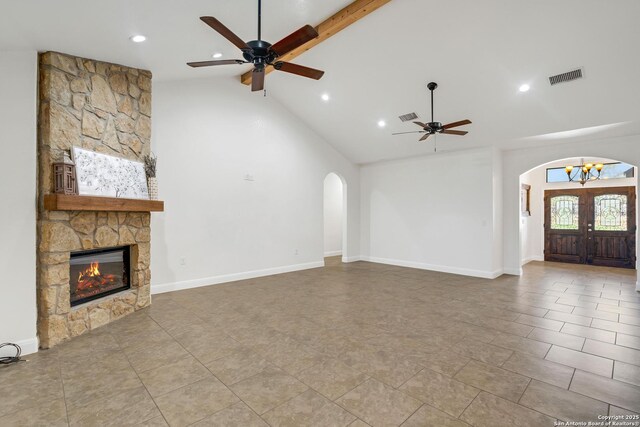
{"x":479,"y":52}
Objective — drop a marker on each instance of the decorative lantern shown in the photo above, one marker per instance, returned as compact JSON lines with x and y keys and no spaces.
{"x":64,"y":176}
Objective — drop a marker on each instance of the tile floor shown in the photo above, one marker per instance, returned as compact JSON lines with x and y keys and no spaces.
{"x":351,"y":344}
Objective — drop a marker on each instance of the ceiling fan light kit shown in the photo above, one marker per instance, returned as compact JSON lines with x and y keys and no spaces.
{"x":261,"y":53}
{"x":434,"y":127}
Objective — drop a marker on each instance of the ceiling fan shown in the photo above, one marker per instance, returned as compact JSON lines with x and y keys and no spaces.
{"x":261,"y":53}
{"x":434,"y":127}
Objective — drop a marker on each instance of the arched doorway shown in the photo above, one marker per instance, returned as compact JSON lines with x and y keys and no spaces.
{"x":564,"y":221}
{"x":335,"y":216}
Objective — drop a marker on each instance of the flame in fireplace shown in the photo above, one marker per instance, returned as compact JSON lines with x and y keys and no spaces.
{"x":92,"y":278}
{"x":92,"y":271}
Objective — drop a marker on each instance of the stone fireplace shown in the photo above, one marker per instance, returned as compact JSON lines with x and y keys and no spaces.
{"x":105,"y":108}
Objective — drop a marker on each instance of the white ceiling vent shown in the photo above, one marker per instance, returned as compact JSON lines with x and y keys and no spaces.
{"x":407,"y":117}
{"x":566,"y":77}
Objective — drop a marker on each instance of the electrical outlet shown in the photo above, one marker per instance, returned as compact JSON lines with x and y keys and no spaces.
{"x":249,"y":177}
{"x":296,"y":252}
{"x":183,"y":261}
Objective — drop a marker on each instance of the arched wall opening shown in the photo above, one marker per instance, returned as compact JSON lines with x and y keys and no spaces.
{"x":517,"y":162}
{"x":335,"y":215}
{"x":533,"y":185}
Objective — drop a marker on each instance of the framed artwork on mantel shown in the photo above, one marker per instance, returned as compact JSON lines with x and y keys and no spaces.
{"x":525,"y":200}
{"x":109,"y":176}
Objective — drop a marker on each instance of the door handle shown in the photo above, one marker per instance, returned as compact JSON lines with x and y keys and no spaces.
{"x":589,"y":225}
{"x":589,"y":230}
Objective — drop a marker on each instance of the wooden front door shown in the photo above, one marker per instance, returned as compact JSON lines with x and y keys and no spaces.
{"x":591,"y":226}
{"x":565,"y":226}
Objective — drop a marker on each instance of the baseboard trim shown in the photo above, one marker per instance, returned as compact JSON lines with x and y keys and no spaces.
{"x":29,"y":346}
{"x":497,"y":273}
{"x":234,"y":277}
{"x":434,"y":267}
{"x":333,"y":253}
{"x":351,"y":258}
{"x":512,"y":271}
{"x":532,"y":258}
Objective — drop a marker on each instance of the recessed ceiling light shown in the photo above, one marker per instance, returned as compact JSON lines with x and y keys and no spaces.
{"x":217,"y":55}
{"x":525,"y":88}
{"x":325,"y":97}
{"x":138,"y":38}
{"x":382,"y":123}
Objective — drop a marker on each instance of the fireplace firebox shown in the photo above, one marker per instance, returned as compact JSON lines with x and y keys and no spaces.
{"x":97,"y":273}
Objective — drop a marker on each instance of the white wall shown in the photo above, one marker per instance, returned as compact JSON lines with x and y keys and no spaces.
{"x":434,"y":212}
{"x":531,"y":233}
{"x":498,"y":210}
{"x":333,"y":209}
{"x":517,"y":162}
{"x":532,"y":227}
{"x":18,"y":191}
{"x":209,"y":134}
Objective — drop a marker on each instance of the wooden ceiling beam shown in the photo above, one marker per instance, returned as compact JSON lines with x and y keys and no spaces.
{"x":338,"y":22}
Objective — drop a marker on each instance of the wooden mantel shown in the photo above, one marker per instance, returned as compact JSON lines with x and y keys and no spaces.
{"x":66,"y":202}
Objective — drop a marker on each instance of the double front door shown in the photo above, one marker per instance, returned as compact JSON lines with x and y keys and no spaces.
{"x":591,"y":226}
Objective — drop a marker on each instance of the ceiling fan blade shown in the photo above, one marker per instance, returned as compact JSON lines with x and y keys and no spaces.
{"x":211,"y":63}
{"x":456,"y":124}
{"x":422,"y":125}
{"x":257,"y":80}
{"x":425,"y":137}
{"x":402,"y":133}
{"x":299,"y":70}
{"x":455,"y":132}
{"x":294,"y":40}
{"x":225,"y":32}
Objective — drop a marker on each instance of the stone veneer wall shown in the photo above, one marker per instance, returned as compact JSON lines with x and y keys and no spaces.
{"x":105,"y":108}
